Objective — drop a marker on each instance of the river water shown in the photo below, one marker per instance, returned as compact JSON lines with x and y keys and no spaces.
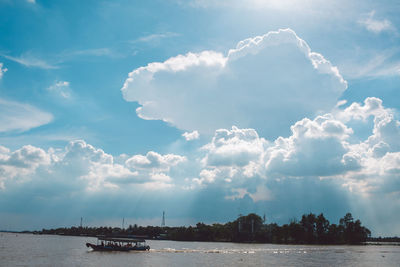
{"x":50,"y":250}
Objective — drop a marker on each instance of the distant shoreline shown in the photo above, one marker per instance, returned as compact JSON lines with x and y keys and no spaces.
{"x":367,"y":243}
{"x":312,"y":229}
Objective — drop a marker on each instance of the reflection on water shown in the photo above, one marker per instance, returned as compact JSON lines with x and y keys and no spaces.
{"x":46,"y":250}
{"x":229,"y":251}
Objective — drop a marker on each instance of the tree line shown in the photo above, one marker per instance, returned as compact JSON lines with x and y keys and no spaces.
{"x":311,"y":229}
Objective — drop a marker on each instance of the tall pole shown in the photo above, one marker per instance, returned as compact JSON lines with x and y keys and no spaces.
{"x":240,"y":223}
{"x":81,"y":221}
{"x":123,"y":223}
{"x":163,"y":219}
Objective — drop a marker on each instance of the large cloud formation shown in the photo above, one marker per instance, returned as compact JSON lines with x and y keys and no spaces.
{"x":321,"y":166}
{"x":266,"y":83}
{"x":324,"y":147}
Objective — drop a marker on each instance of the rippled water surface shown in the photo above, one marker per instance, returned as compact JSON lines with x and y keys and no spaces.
{"x":48,"y":250}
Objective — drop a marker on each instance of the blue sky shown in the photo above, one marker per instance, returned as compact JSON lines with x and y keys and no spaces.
{"x":204,"y":109}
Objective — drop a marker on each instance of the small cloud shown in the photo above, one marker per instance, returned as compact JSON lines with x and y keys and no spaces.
{"x":95,"y":52}
{"x":341,"y":103}
{"x":2,"y":70}
{"x":381,"y":64}
{"x":262,"y":194}
{"x":31,"y":1}
{"x":31,"y":61}
{"x":61,"y":88}
{"x":15,"y":116}
{"x":375,"y":25}
{"x":154,"y":161}
{"x":156,"y":37}
{"x":237,"y":193}
{"x":191,"y":136}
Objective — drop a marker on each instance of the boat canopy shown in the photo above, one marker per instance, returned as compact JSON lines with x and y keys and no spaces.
{"x":121,"y":239}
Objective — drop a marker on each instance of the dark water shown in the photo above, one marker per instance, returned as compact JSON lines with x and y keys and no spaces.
{"x":47,"y":250}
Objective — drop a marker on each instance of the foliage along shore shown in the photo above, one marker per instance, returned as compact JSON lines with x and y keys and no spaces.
{"x":311,"y":229}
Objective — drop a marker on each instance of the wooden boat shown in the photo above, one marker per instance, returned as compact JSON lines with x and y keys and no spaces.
{"x":119,"y":244}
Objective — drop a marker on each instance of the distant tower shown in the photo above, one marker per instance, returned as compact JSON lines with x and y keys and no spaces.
{"x":163,"y":219}
{"x":240,"y":222}
{"x":264,"y":218}
{"x":123,"y":223}
{"x":81,"y":221}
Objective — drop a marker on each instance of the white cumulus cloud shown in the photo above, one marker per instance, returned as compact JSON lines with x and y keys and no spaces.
{"x":155,"y":161}
{"x":86,"y":167}
{"x":235,"y":147}
{"x":265,"y":83}
{"x":191,"y":136}
{"x":323,"y":148}
{"x":316,"y":147}
{"x":21,"y":163}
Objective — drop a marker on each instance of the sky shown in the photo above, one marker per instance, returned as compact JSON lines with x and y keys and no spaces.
{"x":202,"y":109}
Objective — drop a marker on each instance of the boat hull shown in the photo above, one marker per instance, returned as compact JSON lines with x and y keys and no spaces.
{"x":114,"y":248}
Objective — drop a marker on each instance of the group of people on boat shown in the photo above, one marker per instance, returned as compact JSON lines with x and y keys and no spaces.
{"x":116,"y":245}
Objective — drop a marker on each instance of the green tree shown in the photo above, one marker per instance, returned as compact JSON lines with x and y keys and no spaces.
{"x":322,"y":227}
{"x":308,"y":224}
